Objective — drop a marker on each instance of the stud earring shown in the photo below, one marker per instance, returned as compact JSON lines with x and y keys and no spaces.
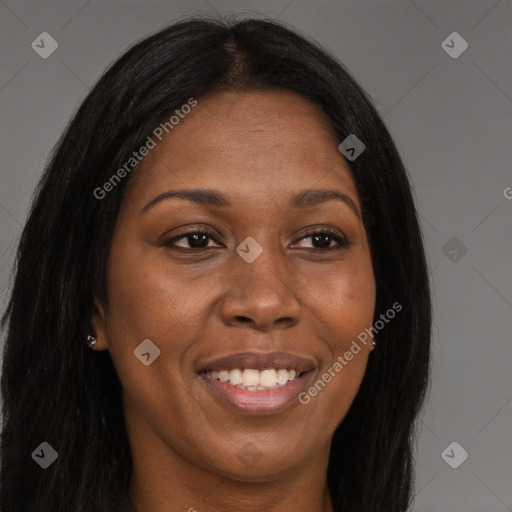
{"x":91,"y":341}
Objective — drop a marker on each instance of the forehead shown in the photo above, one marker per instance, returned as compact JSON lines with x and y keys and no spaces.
{"x":251,"y":144}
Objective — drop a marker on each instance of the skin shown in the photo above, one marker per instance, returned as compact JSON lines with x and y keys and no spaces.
{"x":258,"y":149}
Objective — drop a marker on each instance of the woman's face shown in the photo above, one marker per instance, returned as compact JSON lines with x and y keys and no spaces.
{"x":259,"y":292}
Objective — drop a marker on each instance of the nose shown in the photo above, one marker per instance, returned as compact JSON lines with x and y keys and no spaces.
{"x":261,"y":295}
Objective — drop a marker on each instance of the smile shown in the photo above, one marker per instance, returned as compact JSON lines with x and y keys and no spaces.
{"x":255,"y":380}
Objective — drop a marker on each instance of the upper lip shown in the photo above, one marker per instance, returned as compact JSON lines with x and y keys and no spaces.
{"x":259,"y":361}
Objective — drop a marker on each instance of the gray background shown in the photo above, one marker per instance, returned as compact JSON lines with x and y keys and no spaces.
{"x":451,"y":120}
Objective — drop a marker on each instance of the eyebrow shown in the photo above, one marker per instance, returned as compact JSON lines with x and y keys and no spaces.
{"x":303,"y":199}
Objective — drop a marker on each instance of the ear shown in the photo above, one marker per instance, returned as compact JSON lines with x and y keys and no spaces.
{"x":99,"y":325}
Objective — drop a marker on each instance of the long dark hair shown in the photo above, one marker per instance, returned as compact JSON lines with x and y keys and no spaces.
{"x":56,"y":390}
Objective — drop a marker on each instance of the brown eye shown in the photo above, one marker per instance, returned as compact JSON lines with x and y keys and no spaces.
{"x":197,"y":239}
{"x":322,"y":239}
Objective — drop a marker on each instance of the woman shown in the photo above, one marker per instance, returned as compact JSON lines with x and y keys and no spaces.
{"x":221,"y":298}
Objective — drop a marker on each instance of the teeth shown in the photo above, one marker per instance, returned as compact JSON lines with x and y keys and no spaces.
{"x":235,"y":376}
{"x":268,"y":377}
{"x":282,"y":376}
{"x":255,"y":380}
{"x":251,"y":378}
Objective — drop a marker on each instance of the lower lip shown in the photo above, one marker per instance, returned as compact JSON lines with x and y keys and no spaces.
{"x":269,"y":401}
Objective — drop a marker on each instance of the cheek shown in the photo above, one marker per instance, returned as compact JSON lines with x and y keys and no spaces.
{"x":149,"y":299}
{"x":356,"y":309}
{"x":347,"y":309}
{"x":143,"y":303}
{"x":346,"y":305}
{"x":142,"y":293}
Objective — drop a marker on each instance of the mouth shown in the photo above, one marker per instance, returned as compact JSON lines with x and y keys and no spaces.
{"x":251,"y":379}
{"x":254,"y":383}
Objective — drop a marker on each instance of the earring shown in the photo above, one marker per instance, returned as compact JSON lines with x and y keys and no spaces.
{"x":91,"y":341}
{"x":374,"y":344}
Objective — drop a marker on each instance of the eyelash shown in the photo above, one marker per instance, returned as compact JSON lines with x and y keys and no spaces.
{"x":343,"y":243}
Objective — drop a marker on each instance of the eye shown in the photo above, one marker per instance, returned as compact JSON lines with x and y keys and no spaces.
{"x":323,"y":239}
{"x":196,"y":239}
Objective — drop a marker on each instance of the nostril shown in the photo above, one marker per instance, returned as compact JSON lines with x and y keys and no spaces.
{"x":243,"y":319}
